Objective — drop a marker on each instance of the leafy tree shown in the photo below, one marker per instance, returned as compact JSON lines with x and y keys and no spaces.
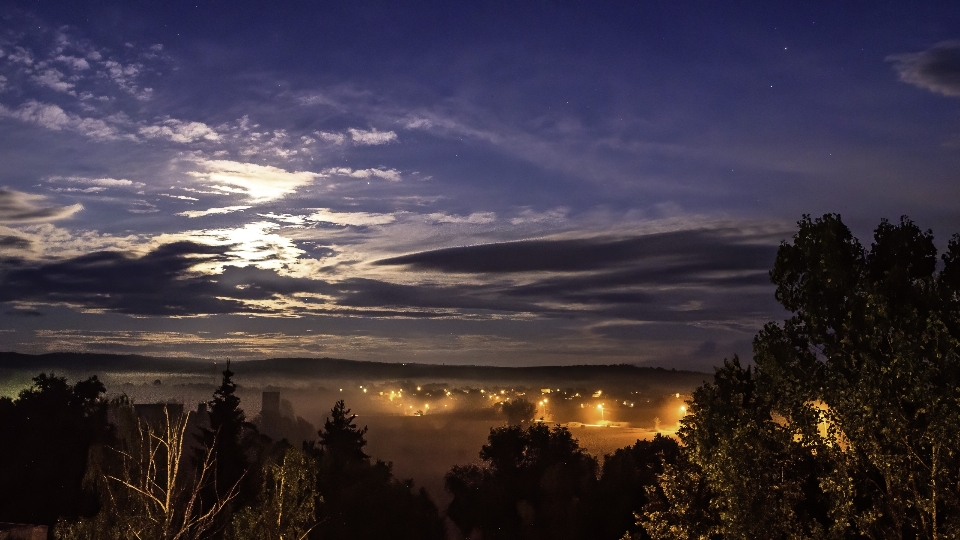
{"x":846,"y":427}
{"x":286,"y":506}
{"x":625,"y":478}
{"x":518,"y":411}
{"x":533,"y":484}
{"x":678,"y":506}
{"x":147,"y":487}
{"x":47,"y":432}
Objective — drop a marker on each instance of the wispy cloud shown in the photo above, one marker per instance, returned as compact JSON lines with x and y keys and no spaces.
{"x":180,"y":131}
{"x":142,"y":207}
{"x":350,"y":218}
{"x":528,"y":215}
{"x":125,"y":76}
{"x":74,"y":62}
{"x":53,"y":117}
{"x":53,"y":78}
{"x":335,"y":138}
{"x":99,"y":182}
{"x":259,"y":183}
{"x":210,"y":211}
{"x":474,"y":218}
{"x":387,"y":174}
{"x":372,"y":137}
{"x":19,"y":207}
{"x":21,"y":55}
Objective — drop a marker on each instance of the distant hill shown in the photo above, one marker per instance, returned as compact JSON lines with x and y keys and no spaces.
{"x":340,"y":369}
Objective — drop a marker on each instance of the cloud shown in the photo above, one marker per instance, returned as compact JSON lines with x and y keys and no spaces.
{"x":209,"y":211}
{"x":53,"y":117}
{"x":936,"y":69}
{"x":99,"y":182}
{"x":392,"y":175}
{"x":258,"y":182}
{"x":142,"y":207}
{"x":715,"y":276}
{"x":14,"y":242}
{"x":21,"y":56}
{"x":528,"y":215}
{"x":673,"y":249}
{"x":158,"y":283}
{"x":53,"y":78}
{"x":125,"y":77}
{"x":19,"y":207}
{"x":479,"y":218}
{"x":335,"y":138}
{"x":180,"y":131}
{"x":358,"y":219}
{"x":372,"y":137}
{"x":74,"y":62}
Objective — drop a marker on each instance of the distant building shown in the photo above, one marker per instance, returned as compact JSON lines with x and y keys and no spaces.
{"x":20,"y":531}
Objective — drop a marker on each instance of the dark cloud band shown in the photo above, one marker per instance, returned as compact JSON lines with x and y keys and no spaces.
{"x":936,"y":69}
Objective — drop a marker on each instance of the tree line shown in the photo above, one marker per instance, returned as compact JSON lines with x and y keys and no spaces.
{"x":844,"y":426}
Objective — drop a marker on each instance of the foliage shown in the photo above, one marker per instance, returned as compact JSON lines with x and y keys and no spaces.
{"x":286,"y":506}
{"x":518,"y":411}
{"x":625,"y":478}
{"x":846,"y":427}
{"x":678,"y":506}
{"x":47,"y":433}
{"x":147,"y":486}
{"x":363,"y":500}
{"x":533,"y":484}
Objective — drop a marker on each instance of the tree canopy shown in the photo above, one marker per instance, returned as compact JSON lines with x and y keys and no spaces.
{"x":846,"y":424}
{"x":47,"y":432}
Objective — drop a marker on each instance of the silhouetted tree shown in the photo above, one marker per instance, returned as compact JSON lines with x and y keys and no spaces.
{"x":46,"y":434}
{"x":340,"y":437}
{"x":360,"y":499}
{"x":534,"y":483}
{"x":234,"y":445}
{"x":518,"y":411}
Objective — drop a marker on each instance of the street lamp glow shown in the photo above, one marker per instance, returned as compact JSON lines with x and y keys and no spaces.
{"x":600,"y":406}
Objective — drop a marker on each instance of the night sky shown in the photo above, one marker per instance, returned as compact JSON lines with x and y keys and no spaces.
{"x":508,"y":183}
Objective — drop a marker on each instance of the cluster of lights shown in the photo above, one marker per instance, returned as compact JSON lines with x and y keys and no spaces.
{"x":499,"y":396}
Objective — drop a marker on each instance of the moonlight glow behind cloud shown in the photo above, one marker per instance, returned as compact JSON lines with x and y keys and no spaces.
{"x":502,"y":184}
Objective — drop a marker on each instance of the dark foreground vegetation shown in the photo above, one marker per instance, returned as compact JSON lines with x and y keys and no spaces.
{"x":846,"y":426}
